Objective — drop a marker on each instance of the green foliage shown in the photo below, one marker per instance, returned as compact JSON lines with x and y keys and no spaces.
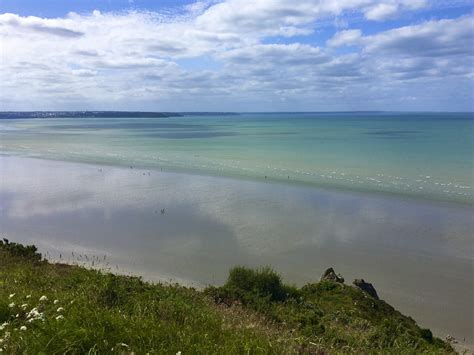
{"x":104,"y":313}
{"x":28,"y":251}
{"x":89,"y":312}
{"x":329,"y":314}
{"x":264,"y":282}
{"x":119,"y":290}
{"x":426,"y":334}
{"x":252,"y":286}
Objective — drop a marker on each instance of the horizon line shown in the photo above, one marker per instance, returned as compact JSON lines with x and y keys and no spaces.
{"x":240,"y":112}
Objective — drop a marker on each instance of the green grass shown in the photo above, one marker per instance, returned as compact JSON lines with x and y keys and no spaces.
{"x":89,"y":312}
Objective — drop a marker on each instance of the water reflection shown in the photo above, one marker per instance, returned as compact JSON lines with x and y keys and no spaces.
{"x":407,"y":248}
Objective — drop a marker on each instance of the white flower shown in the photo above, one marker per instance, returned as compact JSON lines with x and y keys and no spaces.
{"x":60,"y":309}
{"x":43,"y":298}
{"x":29,"y":296}
{"x":124,"y":345}
{"x":23,"y":327}
{"x":2,"y":326}
{"x":11,"y":305}
{"x":24,"y":305}
{"x":56,"y":301}
{"x":60,"y":317}
{"x":178,"y":353}
{"x":12,"y":295}
{"x":34,"y":314}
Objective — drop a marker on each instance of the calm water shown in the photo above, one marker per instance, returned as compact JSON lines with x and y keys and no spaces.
{"x":381,"y":196}
{"x":429,"y":155}
{"x":417,"y":253}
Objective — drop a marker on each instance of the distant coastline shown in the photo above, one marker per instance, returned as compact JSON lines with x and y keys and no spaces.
{"x":101,"y":114}
{"x":158,"y":114}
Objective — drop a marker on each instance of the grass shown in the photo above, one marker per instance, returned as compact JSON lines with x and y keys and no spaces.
{"x":55,"y":309}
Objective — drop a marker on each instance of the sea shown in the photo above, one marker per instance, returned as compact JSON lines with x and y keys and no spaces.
{"x":383,"y":196}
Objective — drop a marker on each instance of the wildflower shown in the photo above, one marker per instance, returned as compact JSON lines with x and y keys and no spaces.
{"x":60,"y":309}
{"x":29,"y":296}
{"x":60,"y":317}
{"x":178,"y":353}
{"x":43,"y":298}
{"x":34,"y":314}
{"x":124,"y":345}
{"x":12,"y":295}
{"x":2,"y":326}
{"x":23,"y":327}
{"x":11,"y":305}
{"x":24,"y":305}
{"x":56,"y":301}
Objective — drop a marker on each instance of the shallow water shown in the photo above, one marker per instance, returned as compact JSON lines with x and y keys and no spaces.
{"x":427,"y":155}
{"x":417,"y":253}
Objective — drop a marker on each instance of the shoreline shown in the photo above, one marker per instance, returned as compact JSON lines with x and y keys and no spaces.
{"x":291,"y":257}
{"x":264,"y":179}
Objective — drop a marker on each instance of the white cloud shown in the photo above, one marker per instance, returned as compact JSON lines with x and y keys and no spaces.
{"x":218,"y":54}
{"x":431,"y":38}
{"x":84,"y":72}
{"x":56,"y":27}
{"x":381,"y":11}
{"x":386,"y":9}
{"x":344,"y":38}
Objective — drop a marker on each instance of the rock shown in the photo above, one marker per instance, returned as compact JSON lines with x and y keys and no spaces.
{"x":366,"y":287}
{"x":330,"y":275}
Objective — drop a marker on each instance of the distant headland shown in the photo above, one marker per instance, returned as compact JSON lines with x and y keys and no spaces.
{"x":101,"y":114}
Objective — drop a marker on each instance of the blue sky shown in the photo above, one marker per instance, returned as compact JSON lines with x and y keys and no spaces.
{"x":237,"y":55}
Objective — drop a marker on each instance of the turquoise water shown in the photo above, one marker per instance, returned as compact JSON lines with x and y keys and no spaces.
{"x":423,"y":154}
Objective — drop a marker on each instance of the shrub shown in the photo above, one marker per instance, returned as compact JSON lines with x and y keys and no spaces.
{"x":262,"y":282}
{"x":426,"y":334}
{"x":29,"y":252}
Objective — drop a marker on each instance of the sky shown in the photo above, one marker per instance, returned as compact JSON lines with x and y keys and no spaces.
{"x":237,"y":55}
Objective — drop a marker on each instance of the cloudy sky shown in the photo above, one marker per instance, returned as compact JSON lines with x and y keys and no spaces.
{"x":237,"y":55}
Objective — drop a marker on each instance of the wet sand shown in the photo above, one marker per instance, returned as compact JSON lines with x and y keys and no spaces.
{"x":417,"y":253}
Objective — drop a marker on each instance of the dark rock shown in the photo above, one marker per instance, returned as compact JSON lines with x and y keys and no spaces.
{"x":330,"y":275}
{"x":366,"y":287}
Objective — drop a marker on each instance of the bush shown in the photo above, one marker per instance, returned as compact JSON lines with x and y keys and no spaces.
{"x":262,"y":282}
{"x":426,"y":334}
{"x":28,"y":252}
